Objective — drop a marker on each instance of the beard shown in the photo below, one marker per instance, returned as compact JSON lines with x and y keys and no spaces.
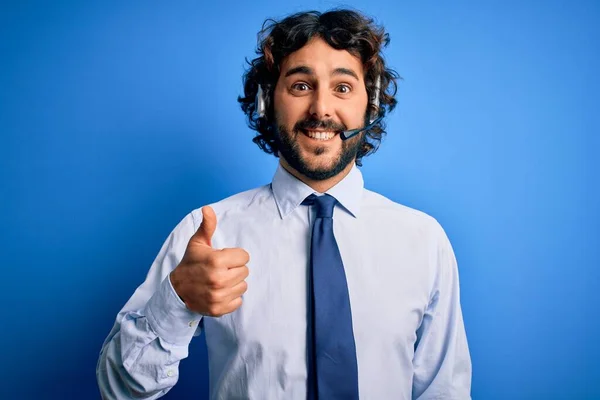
{"x":290,"y":149}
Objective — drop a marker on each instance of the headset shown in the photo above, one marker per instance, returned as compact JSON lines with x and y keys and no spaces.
{"x":375,"y":118}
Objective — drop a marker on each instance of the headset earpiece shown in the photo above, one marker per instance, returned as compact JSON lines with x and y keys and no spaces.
{"x":261,"y":108}
{"x":375,"y":101}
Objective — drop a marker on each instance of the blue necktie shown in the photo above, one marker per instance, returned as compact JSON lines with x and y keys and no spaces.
{"x":332,"y":366}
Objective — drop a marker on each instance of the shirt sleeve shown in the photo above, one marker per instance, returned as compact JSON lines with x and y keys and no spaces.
{"x":442,"y":363}
{"x":140,"y":357}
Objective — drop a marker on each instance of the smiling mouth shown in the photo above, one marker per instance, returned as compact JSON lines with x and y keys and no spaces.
{"x":320,"y":135}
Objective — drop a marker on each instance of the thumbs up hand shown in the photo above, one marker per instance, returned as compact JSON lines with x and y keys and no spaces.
{"x":210,"y":282}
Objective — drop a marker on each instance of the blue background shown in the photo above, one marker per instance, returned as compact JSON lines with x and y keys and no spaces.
{"x":118,"y":118}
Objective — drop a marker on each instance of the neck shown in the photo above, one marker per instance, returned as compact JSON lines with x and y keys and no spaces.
{"x":319,"y":186}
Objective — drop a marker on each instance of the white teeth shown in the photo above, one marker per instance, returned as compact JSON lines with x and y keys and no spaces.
{"x":321,"y":135}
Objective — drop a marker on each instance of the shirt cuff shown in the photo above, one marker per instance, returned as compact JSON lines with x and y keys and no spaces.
{"x":169,"y":317}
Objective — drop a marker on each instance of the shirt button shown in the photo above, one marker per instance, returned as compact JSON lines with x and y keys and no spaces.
{"x":170,"y":373}
{"x":193,"y":323}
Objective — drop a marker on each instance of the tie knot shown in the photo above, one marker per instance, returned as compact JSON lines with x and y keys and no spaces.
{"x":324,"y":204}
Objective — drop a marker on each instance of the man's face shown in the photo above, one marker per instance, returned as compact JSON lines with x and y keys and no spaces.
{"x":320,"y":92}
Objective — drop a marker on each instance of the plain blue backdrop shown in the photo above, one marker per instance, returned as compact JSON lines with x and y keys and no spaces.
{"x":118,"y":118}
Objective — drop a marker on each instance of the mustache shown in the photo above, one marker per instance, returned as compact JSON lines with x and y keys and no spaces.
{"x":312,"y":124}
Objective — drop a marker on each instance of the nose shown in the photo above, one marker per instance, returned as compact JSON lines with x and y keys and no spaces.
{"x":321,"y":105}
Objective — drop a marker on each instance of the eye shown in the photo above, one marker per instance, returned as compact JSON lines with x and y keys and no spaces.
{"x":300,"y":87}
{"x":343,"y":88}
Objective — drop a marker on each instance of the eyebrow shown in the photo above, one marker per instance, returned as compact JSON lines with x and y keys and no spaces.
{"x":303,"y":69}
{"x":345,"y":71}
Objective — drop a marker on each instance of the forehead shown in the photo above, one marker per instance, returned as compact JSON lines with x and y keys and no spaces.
{"x":322,"y":59}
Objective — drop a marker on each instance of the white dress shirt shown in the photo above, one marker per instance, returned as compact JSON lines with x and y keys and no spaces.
{"x":402,"y":281}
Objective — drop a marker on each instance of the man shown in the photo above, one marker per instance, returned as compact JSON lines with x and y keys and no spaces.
{"x":312,"y":286}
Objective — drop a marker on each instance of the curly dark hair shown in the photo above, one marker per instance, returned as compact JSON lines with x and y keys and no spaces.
{"x":343,"y":30}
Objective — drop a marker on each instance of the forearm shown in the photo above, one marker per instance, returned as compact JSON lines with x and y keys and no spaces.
{"x":442,"y":363}
{"x":136,"y":364}
{"x":140,"y":359}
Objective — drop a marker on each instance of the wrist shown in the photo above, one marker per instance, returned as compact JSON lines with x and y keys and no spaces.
{"x":175,"y":282}
{"x":169,"y":317}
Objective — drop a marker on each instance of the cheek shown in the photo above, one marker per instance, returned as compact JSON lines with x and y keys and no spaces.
{"x":280,"y":107}
{"x":353,"y":119}
{"x":287,"y":112}
{"x":352,"y":113}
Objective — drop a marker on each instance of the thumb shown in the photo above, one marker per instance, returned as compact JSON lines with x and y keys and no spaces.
{"x":207,"y":227}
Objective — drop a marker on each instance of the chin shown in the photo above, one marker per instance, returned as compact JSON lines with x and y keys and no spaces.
{"x":323,"y":162}
{"x":319,"y":170}
{"x":322,"y":165}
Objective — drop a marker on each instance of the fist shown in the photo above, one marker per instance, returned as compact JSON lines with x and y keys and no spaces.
{"x":210,"y":282}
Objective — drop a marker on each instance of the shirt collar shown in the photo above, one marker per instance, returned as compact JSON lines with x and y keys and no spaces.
{"x":290,"y":191}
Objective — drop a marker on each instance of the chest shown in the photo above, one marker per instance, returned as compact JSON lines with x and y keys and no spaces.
{"x":387,"y":271}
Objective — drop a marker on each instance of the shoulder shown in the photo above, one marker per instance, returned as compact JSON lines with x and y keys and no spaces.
{"x":398,"y":218}
{"x":377,"y":206}
{"x":415,"y":226}
{"x":237,"y":203}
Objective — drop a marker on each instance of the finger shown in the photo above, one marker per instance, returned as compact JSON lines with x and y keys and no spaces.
{"x":234,"y":276}
{"x":233,"y":305}
{"x":239,"y":289}
{"x":234,"y":292}
{"x":208,"y":226}
{"x":233,"y":257}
